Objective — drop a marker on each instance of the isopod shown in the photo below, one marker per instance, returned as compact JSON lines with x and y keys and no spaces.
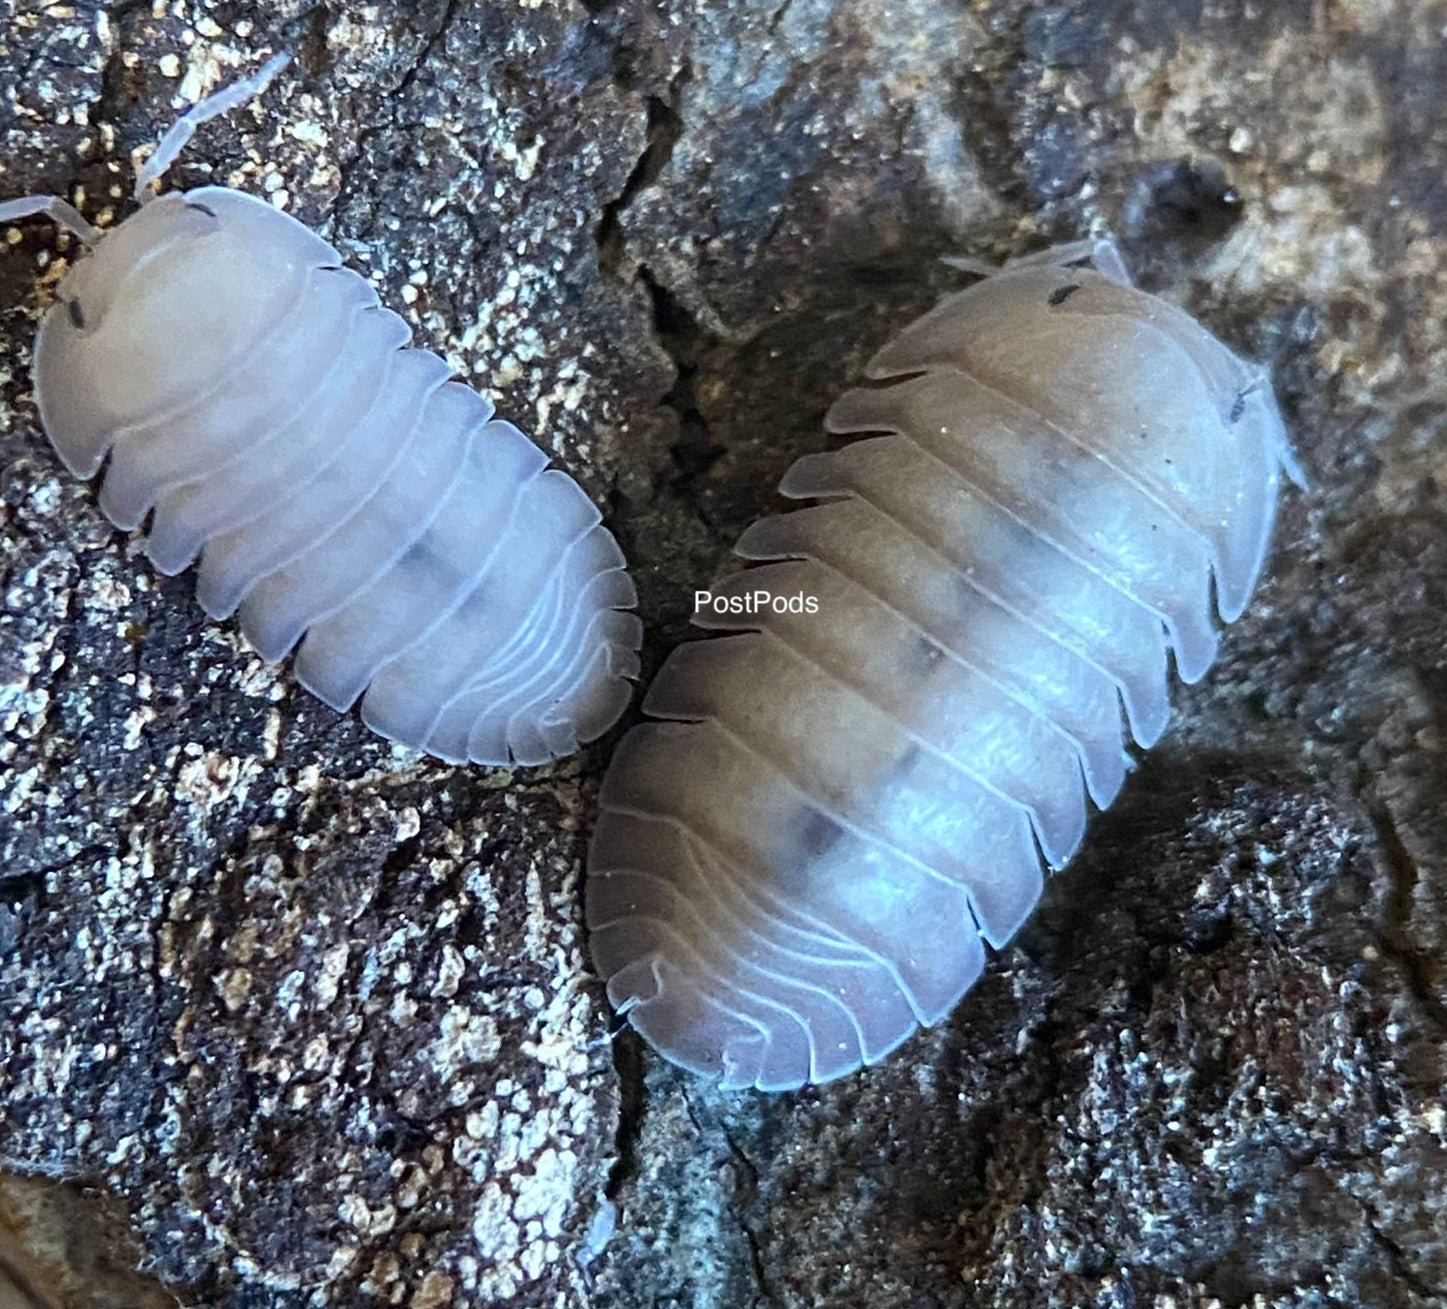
{"x":801,"y":865}
{"x":251,"y":401}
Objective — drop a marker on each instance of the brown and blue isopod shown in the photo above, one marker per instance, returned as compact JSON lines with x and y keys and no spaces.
{"x":1066,"y":479}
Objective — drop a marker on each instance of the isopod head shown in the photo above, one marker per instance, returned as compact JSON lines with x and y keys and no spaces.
{"x":166,"y":302}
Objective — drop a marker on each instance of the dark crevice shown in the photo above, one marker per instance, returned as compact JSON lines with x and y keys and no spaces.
{"x":399,"y":859}
{"x":1141,"y":987}
{"x":114,"y":77}
{"x":983,"y":109}
{"x":745,"y":1190}
{"x":1183,"y":203}
{"x":756,"y":1261}
{"x":17,"y":888}
{"x":683,"y":339}
{"x":1396,"y":940}
{"x":156,"y":968}
{"x":311,"y":42}
{"x":744,"y":1194}
{"x":346,"y":170}
{"x":429,"y":45}
{"x":1397,"y":1259}
{"x":677,"y":331}
{"x":662,"y":133}
{"x":393,"y":98}
{"x":1209,"y":933}
{"x":632,"y":1109}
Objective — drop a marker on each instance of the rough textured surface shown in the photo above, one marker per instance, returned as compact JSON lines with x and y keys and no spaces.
{"x":316,"y":1012}
{"x":67,"y":1246}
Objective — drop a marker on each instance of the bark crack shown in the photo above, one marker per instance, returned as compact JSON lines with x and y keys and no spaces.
{"x":632,"y":1110}
{"x":1397,"y":1259}
{"x":1397,"y":937}
{"x":742,"y":1193}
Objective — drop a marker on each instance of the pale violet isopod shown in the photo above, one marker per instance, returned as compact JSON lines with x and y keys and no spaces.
{"x":930,"y":671}
{"x":253,"y":404}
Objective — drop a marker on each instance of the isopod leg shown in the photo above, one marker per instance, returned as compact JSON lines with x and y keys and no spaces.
{"x":203,"y":111}
{"x":1102,"y":252}
{"x":61,"y":212}
{"x":1108,"y":261}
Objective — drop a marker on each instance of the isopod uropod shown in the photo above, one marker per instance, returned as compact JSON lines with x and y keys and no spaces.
{"x":251,"y":400}
{"x":795,"y":870}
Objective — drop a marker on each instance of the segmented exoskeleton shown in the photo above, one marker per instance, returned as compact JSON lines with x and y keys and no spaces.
{"x":797,"y":869}
{"x":251,"y":401}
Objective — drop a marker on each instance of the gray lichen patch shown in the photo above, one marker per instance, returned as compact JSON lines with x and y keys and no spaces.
{"x":378,"y":1011}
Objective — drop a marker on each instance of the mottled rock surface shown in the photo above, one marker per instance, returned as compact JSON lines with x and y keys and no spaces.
{"x":316,"y":1013}
{"x":67,"y":1247}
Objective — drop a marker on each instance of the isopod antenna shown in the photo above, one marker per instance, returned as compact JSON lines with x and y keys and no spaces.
{"x":203,"y":111}
{"x":66,"y":216}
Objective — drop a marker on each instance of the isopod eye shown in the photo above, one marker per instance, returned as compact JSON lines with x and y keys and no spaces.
{"x":140,"y":254}
{"x":76,"y":313}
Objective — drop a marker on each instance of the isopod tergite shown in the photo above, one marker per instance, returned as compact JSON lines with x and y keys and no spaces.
{"x":931,"y":669}
{"x":251,"y":401}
